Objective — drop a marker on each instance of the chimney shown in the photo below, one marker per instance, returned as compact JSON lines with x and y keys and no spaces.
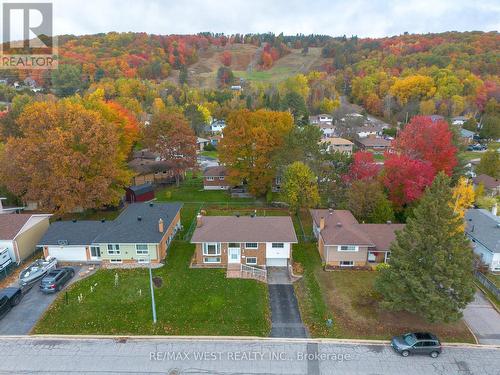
{"x":494,"y":209}
{"x":160,"y":225}
{"x":139,"y":218}
{"x":199,"y":220}
{"x":321,"y":223}
{"x":339,"y":225}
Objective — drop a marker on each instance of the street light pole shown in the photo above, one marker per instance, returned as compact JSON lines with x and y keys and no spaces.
{"x":153,"y":305}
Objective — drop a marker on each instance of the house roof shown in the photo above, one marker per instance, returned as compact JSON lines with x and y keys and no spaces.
{"x":138,"y":223}
{"x":141,"y":189}
{"x":466,"y":133}
{"x":342,"y":228}
{"x":374,"y":142}
{"x":488,"y":181}
{"x":145,"y":154}
{"x":144,"y":166}
{"x":216,"y":171}
{"x":127,"y":228}
{"x":76,"y":233}
{"x":201,"y":140}
{"x":483,"y":227}
{"x":337,"y":141}
{"x":245,"y":229}
{"x":11,"y":224}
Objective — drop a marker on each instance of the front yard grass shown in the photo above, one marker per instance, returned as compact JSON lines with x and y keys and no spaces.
{"x":190,"y":302}
{"x":210,"y":154}
{"x":348,"y":298}
{"x":495,"y":278}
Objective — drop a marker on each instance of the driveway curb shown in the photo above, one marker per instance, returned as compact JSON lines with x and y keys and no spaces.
{"x":232,"y":338}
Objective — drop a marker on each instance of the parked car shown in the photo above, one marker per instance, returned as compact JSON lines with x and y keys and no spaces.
{"x":9,"y":297}
{"x":56,"y":279}
{"x":417,"y":343}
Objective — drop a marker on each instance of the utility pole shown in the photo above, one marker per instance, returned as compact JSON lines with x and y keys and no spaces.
{"x":153,"y":305}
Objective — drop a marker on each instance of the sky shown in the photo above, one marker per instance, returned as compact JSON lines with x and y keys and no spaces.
{"x":376,"y":18}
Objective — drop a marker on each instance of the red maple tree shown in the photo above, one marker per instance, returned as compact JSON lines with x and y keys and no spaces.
{"x":363,"y":167}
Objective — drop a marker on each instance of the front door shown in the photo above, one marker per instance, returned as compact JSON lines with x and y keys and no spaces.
{"x":233,"y":255}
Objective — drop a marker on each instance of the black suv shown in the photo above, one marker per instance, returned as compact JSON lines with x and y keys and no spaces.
{"x":55,"y":279}
{"x":9,"y":297}
{"x":417,"y":343}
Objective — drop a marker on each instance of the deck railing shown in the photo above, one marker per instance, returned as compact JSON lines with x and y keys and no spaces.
{"x":253,"y":272}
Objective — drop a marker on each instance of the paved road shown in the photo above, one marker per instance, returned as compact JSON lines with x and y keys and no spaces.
{"x":190,"y":356}
{"x":285,"y":314}
{"x":483,"y":320}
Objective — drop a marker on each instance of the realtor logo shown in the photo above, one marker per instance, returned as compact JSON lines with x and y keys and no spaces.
{"x":28,"y":41}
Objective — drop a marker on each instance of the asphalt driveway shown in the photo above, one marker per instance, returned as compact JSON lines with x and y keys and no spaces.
{"x":285,"y":314}
{"x":23,"y":317}
{"x":483,"y":320}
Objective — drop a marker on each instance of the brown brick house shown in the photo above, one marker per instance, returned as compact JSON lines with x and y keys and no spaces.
{"x":215,"y":178}
{"x":343,"y":242}
{"x":222,"y":241}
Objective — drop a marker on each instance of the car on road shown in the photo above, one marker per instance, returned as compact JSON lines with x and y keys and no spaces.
{"x":417,"y":343}
{"x":477,"y":147}
{"x":56,"y":279}
{"x":9,"y":297}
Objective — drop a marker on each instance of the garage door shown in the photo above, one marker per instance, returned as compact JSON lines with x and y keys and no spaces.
{"x":68,"y":254}
{"x":276,"y":262}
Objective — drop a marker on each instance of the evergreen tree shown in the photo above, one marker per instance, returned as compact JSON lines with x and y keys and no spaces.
{"x":430,"y":271}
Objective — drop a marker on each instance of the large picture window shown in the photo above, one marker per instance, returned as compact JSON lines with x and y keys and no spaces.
{"x":210,"y":248}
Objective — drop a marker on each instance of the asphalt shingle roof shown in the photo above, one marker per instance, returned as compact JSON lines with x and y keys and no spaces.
{"x":127,"y":228}
{"x":245,"y":229}
{"x":483,"y":226}
{"x":11,"y":224}
{"x":76,"y":233}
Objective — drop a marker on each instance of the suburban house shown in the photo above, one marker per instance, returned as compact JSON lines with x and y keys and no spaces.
{"x":201,"y":143}
{"x":338,"y":144}
{"x":140,"y":193}
{"x":20,"y":233}
{"x":374,"y":144}
{"x":467,"y":135}
{"x":491,"y":185}
{"x":217,"y":126}
{"x":236,"y":241}
{"x":483,"y":229}
{"x":321,"y":119}
{"x":149,"y":168}
{"x":140,"y":234}
{"x":328,"y":130}
{"x":214,"y":178}
{"x":368,"y":131}
{"x":345,"y":243}
{"x":459,"y":120}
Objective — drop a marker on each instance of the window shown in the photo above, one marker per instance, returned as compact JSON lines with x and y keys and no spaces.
{"x":95,"y":251}
{"x":210,"y":178}
{"x":348,"y":248}
{"x":211,"y":260}
{"x":251,"y":245}
{"x":142,"y":260}
{"x":233,"y":245}
{"x":221,"y":178}
{"x":371,"y":257}
{"x":115,"y":261}
{"x":211,"y":248}
{"x":251,"y":260}
{"x":141,"y":249}
{"x":278,"y":245}
{"x":387,"y":256}
{"x":346,"y":263}
{"x":113,"y":249}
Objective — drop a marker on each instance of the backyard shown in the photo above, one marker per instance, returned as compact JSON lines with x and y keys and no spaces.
{"x":189,"y":302}
{"x":349,"y":299}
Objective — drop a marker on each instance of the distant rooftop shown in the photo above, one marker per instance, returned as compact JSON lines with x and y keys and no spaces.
{"x":484,"y":227}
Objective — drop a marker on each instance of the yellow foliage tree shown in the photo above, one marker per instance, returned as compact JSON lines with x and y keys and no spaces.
{"x":463,"y":197}
{"x":413,"y":87}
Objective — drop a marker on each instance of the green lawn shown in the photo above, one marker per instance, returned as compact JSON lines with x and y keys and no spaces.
{"x":275,"y":74}
{"x":191,"y":190}
{"x":348,"y":298}
{"x":190,"y":302}
{"x":210,"y":154}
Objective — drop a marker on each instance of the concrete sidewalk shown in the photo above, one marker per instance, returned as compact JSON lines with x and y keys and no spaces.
{"x":483,"y":320}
